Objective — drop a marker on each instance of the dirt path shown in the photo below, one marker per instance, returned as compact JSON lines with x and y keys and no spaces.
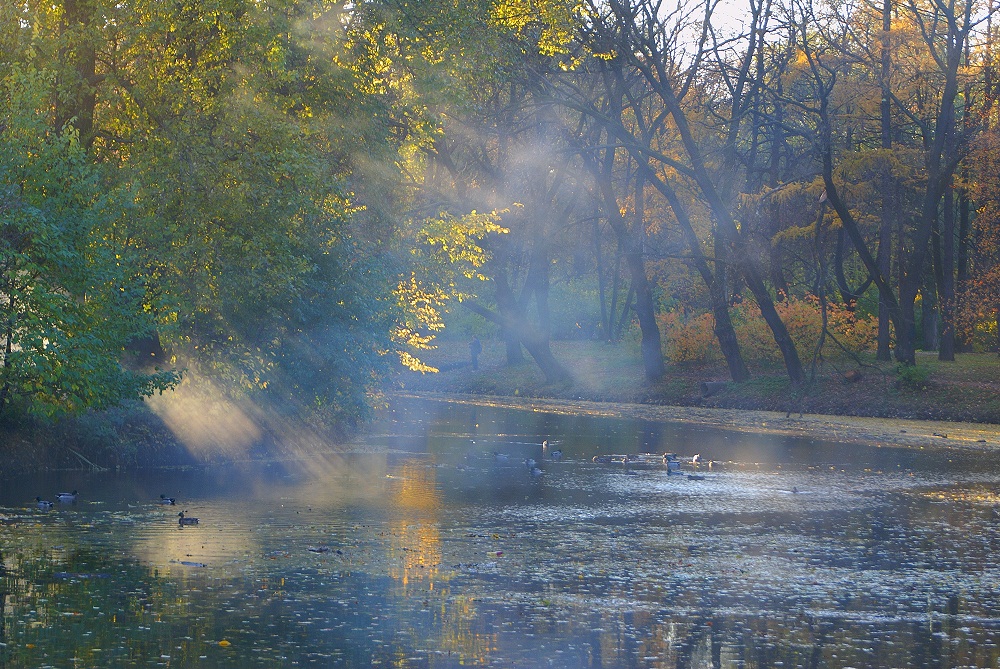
{"x":880,"y":431}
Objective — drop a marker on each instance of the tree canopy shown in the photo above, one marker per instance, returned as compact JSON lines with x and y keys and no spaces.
{"x":294,"y":197}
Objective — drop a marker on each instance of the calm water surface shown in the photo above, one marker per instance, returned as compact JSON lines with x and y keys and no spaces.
{"x":433,"y":544}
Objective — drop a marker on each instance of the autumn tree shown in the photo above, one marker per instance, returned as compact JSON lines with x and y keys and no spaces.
{"x":650,"y":41}
{"x":940,"y":37}
{"x":482,"y":145}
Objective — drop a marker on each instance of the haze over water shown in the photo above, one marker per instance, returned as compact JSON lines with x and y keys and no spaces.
{"x":433,"y":543}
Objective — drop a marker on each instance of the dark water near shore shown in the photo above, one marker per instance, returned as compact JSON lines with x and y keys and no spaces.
{"x":432,"y":544}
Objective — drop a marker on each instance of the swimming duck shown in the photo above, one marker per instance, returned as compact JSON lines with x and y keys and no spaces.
{"x":530,"y":462}
{"x":42,"y":503}
{"x":167,"y":500}
{"x":184,"y":520}
{"x":67,"y":496}
{"x":557,"y":454}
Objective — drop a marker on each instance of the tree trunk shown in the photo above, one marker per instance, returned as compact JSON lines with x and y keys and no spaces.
{"x":736,"y":245}
{"x":906,"y":327}
{"x":626,"y":310}
{"x":79,"y":76}
{"x":946,"y":279}
{"x":940,"y":164}
{"x":602,"y":291}
{"x":645,"y":307}
{"x":630,"y":241}
{"x":536,"y":285}
{"x":962,"y":261}
{"x":725,"y":333}
{"x":645,"y":310}
{"x":536,"y":344}
{"x":884,"y":253}
{"x":849,"y":296}
{"x":507,"y":308}
{"x":883,"y":263}
{"x":930,"y":334}
{"x":512,"y":345}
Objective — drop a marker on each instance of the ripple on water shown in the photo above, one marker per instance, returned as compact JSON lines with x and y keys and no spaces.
{"x":451,"y":557}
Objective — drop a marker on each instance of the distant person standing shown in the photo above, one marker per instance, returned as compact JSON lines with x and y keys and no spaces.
{"x":475,"y":348}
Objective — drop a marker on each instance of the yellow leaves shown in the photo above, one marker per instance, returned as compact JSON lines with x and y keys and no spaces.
{"x":423,"y":301}
{"x":691,"y":338}
{"x":556,"y":19}
{"x":414,"y":364}
{"x":421,"y":307}
{"x":447,"y":247}
{"x":801,"y":58}
{"x":454,"y":240}
{"x":795,"y":232}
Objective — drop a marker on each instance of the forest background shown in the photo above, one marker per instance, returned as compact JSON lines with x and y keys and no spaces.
{"x":236,"y":224}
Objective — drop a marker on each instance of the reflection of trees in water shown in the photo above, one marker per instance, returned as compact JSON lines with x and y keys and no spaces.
{"x":415,"y":540}
{"x":4,"y":593}
{"x":806,"y":640}
{"x":77,"y":603}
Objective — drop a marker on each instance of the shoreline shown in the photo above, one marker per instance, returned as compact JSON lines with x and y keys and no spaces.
{"x":892,"y":432}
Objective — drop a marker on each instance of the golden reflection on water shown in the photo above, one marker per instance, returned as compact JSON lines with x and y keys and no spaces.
{"x":458,"y":636}
{"x":415,"y":558}
{"x":975,"y":495}
{"x":415,"y":537}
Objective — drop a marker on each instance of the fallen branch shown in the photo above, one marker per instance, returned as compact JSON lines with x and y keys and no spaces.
{"x":93,"y":467}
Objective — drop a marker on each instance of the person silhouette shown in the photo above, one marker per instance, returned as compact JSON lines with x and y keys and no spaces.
{"x":475,"y":348}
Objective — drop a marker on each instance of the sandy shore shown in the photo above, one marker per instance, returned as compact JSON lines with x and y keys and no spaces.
{"x":851,"y":429}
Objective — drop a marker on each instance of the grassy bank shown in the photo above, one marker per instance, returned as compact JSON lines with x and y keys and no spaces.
{"x":965,"y":390}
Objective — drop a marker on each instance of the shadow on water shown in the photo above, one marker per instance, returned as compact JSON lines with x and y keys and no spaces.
{"x":461,"y":535}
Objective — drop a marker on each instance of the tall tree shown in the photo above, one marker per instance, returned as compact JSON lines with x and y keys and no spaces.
{"x":649,"y":41}
{"x":942,"y":32}
{"x":70,"y":301}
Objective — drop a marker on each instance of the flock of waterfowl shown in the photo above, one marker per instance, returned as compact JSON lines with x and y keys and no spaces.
{"x":71,"y":497}
{"x":64,"y":497}
{"x":672,"y":461}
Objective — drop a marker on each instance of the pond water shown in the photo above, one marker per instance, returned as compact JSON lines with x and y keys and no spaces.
{"x":433,"y":544}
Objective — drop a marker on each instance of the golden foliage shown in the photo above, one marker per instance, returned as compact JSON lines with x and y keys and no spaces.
{"x":692,"y":338}
{"x":447,"y":249}
{"x":556,"y":19}
{"x":421,"y":306}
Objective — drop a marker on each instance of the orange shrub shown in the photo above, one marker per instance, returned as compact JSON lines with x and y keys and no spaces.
{"x":692,"y":338}
{"x":689,"y":339}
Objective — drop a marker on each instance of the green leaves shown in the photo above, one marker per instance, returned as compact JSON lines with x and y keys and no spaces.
{"x":66,"y":308}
